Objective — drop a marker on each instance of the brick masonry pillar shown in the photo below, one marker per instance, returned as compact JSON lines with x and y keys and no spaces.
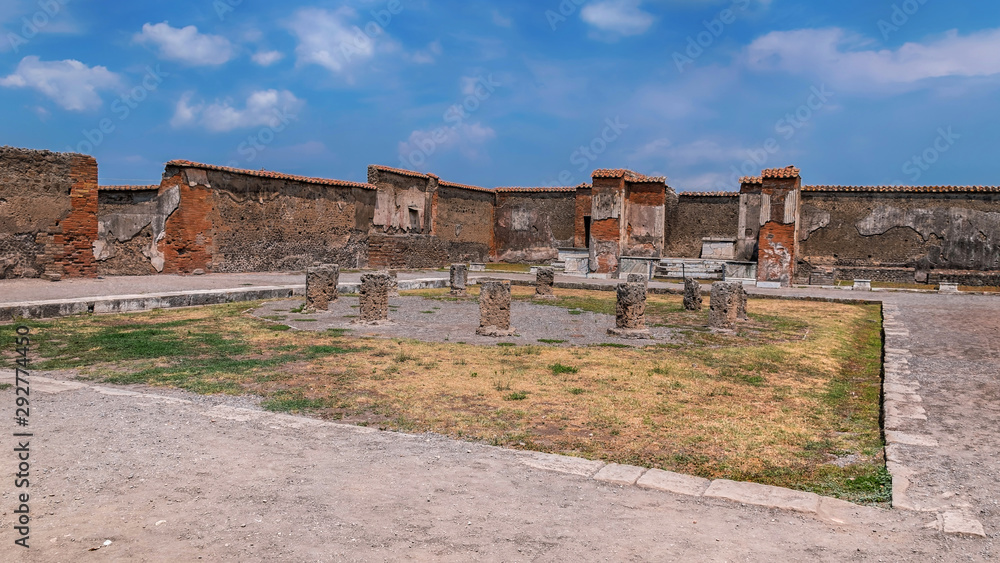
{"x":630,"y":311}
{"x":458,"y":279}
{"x":373,"y":299}
{"x":321,"y":286}
{"x":494,"y":309}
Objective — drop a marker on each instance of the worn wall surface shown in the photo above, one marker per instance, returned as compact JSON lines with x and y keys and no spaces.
{"x":645,"y":212}
{"x":404,"y":201}
{"x":463,"y":220}
{"x":131,"y":226}
{"x":584,"y":201}
{"x":698,"y":216}
{"x":918,"y":231}
{"x":48,"y":213}
{"x":532,"y":226}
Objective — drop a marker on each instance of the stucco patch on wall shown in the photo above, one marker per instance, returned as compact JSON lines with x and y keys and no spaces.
{"x":126,"y":221}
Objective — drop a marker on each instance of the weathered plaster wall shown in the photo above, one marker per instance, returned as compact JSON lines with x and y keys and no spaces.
{"x":919,"y":231}
{"x":131,"y":226}
{"x":697,"y":217}
{"x":645,"y":209}
{"x":584,"y":201}
{"x":532,"y":226}
{"x":48,"y":206}
{"x":464,"y":222}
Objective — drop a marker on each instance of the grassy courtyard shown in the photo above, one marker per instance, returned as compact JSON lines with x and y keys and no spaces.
{"x":790,"y":399}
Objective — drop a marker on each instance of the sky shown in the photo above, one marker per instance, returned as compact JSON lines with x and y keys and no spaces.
{"x":513,"y":93}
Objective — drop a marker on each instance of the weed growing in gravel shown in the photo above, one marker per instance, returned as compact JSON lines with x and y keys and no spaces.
{"x":558,"y":368}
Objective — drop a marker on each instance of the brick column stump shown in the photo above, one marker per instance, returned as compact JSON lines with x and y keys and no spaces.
{"x":374,"y":300}
{"x":321,"y":286}
{"x":692,"y":294}
{"x":545,"y":278}
{"x":458,"y":279}
{"x":494,"y":309}
{"x":630,"y":311}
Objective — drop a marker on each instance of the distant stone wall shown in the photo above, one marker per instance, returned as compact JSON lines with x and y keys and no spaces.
{"x":48,"y":213}
{"x":699,"y":216}
{"x":463,"y":220}
{"x":531,"y":226}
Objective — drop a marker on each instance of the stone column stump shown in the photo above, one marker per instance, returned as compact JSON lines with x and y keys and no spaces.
{"x":321,"y":286}
{"x":692,"y":294}
{"x":393,"y":283}
{"x":545,"y":278}
{"x":727,"y":305}
{"x":458,"y":279}
{"x":637,"y":278}
{"x":374,"y":299}
{"x":494,"y":309}
{"x":630,"y":311}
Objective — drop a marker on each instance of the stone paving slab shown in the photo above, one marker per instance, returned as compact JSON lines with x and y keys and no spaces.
{"x":562,"y":464}
{"x":764,"y":495}
{"x":620,"y":474}
{"x":671,"y":482}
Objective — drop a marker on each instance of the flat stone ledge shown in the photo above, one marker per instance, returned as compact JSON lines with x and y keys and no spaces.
{"x":959,"y":523}
{"x":562,"y":464}
{"x":673,"y":483}
{"x":620,"y":474}
{"x":764,"y":495}
{"x":895,"y":437}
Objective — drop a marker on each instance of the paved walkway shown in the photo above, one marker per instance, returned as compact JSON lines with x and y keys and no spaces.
{"x":385,"y":496}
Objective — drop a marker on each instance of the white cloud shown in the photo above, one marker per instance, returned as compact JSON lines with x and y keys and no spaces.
{"x":501,"y":20}
{"x":327,"y":39}
{"x":263,"y":108}
{"x":848,"y":61}
{"x":70,"y":84}
{"x":428,"y":55}
{"x":466,"y":137}
{"x":186,"y":45}
{"x":616,"y":18}
{"x":267,"y":58}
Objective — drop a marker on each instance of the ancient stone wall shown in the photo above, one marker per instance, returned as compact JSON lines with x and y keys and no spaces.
{"x":464,"y":222}
{"x":582,"y":220}
{"x":131,"y":223}
{"x":699,"y":216}
{"x":531,"y":226}
{"x":48,"y":213}
{"x":646,"y":208}
{"x":900,"y":236}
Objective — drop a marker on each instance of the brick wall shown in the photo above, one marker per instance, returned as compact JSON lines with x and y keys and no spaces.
{"x":531,"y":226}
{"x":697,"y":217}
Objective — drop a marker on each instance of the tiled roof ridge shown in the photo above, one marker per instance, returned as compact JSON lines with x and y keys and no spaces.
{"x":627,"y":174}
{"x":270,"y":174}
{"x":786,"y":172}
{"x":502,"y":189}
{"x":709,"y":194}
{"x":751,"y":180}
{"x":402,"y":171}
{"x":898,"y":188}
{"x":128,"y":187}
{"x":448,"y":184}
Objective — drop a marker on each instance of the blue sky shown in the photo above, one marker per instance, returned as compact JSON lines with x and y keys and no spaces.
{"x":512,"y":93}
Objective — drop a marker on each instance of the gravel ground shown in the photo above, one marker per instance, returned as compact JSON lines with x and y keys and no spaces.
{"x":434,"y":320}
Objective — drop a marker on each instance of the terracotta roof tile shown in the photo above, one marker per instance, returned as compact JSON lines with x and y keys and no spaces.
{"x":462,"y":186}
{"x":709,"y":194}
{"x":128,"y":188}
{"x":786,"y":172}
{"x":751,"y":180}
{"x":402,"y":171}
{"x":269,"y":174}
{"x":904,"y":189}
{"x":627,"y":174}
{"x":517,"y":189}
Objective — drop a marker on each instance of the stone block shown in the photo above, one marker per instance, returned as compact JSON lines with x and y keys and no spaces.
{"x":630,"y":311}
{"x":673,"y":482}
{"x":374,"y":299}
{"x":947,"y":287}
{"x":692,"y":294}
{"x":494,"y":309}
{"x":724,"y":305}
{"x":862,"y":285}
{"x":764,"y":495}
{"x":321,"y":286}
{"x":545,"y":278}
{"x":619,"y":474}
{"x":458,"y":279}
{"x":393,"y":283}
{"x":637,"y":278}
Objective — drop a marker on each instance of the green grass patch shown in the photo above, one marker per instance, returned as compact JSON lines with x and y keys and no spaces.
{"x":558,"y":368}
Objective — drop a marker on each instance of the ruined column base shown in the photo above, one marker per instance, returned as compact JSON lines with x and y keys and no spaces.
{"x":496,"y":332}
{"x":637,"y":333}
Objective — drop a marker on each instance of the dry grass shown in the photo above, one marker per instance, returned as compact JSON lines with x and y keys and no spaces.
{"x":773,"y":403}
